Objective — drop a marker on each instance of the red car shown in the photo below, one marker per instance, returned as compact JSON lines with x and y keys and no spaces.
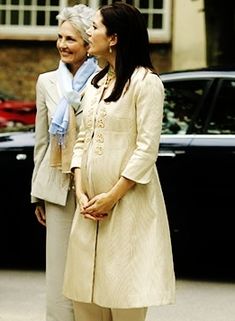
{"x":15,"y":113}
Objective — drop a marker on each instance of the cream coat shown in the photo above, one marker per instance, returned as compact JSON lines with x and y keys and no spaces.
{"x":48,"y":183}
{"x":124,"y":261}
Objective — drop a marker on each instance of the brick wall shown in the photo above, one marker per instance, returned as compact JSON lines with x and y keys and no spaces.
{"x":161,"y":56}
{"x":22,"y":61}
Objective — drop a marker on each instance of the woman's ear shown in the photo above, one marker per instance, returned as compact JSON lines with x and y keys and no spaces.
{"x":113,"y":39}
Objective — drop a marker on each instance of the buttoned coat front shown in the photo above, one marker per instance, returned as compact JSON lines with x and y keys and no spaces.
{"x":48,"y":183}
{"x":124,"y":261}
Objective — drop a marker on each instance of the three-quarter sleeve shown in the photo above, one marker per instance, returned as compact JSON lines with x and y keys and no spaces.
{"x":149,"y":111}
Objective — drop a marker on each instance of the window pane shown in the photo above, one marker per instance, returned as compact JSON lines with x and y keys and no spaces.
{"x":2,"y":1}
{"x":14,"y":1}
{"x":41,"y":18}
{"x":27,"y":2}
{"x":144,"y":4}
{"x":2,"y":17}
{"x":158,"y":4}
{"x":54,"y":2}
{"x":157,"y":21}
{"x":131,"y":2}
{"x":223,"y":116}
{"x":181,"y":103}
{"x":14,"y":17}
{"x":53,"y":20}
{"x":41,"y":2}
{"x":27,"y":18}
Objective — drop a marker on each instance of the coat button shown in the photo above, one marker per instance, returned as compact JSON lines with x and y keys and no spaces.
{"x":100,"y":138}
{"x":99,"y":150}
{"x":100,"y":123}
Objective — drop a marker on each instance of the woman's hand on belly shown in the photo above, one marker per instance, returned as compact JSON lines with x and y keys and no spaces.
{"x":98,"y":207}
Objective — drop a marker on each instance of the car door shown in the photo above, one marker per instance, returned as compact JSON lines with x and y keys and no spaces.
{"x":22,"y":239}
{"x":185,"y":98}
{"x":213,"y":195}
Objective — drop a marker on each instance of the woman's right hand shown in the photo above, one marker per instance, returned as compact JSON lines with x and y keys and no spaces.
{"x":40,"y":214}
{"x":82,"y":198}
{"x":83,"y":201}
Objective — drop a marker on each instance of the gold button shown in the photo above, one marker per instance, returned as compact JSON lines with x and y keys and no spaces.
{"x":100,"y":123}
{"x":99,"y":150}
{"x":100,"y":138}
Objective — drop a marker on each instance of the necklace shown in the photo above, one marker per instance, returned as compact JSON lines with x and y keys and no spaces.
{"x":110,"y":77}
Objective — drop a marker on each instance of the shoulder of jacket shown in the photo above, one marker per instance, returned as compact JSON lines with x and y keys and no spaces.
{"x":142,"y":72}
{"x":144,"y":75}
{"x":49,"y":76}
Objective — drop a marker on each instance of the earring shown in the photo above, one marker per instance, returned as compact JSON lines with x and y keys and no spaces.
{"x":110,"y":50}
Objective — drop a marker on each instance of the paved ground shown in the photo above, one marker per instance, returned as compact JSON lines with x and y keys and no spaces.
{"x":22,"y":298}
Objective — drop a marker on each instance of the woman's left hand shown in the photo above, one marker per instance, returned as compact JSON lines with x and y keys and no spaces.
{"x":98,"y":207}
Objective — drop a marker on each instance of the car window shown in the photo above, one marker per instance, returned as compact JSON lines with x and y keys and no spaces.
{"x":183,"y":100}
{"x":221,"y":120}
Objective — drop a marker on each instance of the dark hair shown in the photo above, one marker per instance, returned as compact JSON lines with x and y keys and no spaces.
{"x":132,"y":48}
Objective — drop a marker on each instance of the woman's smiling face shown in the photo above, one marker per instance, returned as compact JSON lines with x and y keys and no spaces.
{"x":71,"y":46}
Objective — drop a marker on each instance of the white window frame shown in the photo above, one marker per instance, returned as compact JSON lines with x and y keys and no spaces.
{"x":29,"y":32}
{"x":34,"y":32}
{"x":155,"y":35}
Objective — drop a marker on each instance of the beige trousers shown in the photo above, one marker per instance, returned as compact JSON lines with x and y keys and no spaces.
{"x":93,"y":312}
{"x":59,"y":220}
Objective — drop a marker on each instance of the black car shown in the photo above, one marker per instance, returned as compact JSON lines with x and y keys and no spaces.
{"x":197,"y":169}
{"x":196,"y":166}
{"x":22,"y":239}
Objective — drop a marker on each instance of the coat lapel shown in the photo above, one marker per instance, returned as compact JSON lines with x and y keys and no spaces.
{"x":53,"y":89}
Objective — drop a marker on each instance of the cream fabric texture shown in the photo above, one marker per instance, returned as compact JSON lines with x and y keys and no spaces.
{"x":93,"y":312}
{"x":126,"y":260}
{"x":59,"y":220}
{"x":48,"y":183}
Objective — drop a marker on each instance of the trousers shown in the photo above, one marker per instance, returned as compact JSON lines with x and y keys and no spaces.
{"x":58,"y":222}
{"x":93,"y":312}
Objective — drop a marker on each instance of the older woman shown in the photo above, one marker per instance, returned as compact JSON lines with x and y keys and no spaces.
{"x":119,"y":257}
{"x":58,"y":119}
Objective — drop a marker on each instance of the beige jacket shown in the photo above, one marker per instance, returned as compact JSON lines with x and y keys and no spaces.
{"x":48,"y":183}
{"x":126,"y":260}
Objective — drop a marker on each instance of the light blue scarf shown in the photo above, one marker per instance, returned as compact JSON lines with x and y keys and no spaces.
{"x":71,"y":88}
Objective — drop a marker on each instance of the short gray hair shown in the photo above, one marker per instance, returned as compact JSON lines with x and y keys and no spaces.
{"x":80,"y":16}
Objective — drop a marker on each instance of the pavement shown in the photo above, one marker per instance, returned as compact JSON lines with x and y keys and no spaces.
{"x":22,"y":298}
{"x":22,"y":295}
